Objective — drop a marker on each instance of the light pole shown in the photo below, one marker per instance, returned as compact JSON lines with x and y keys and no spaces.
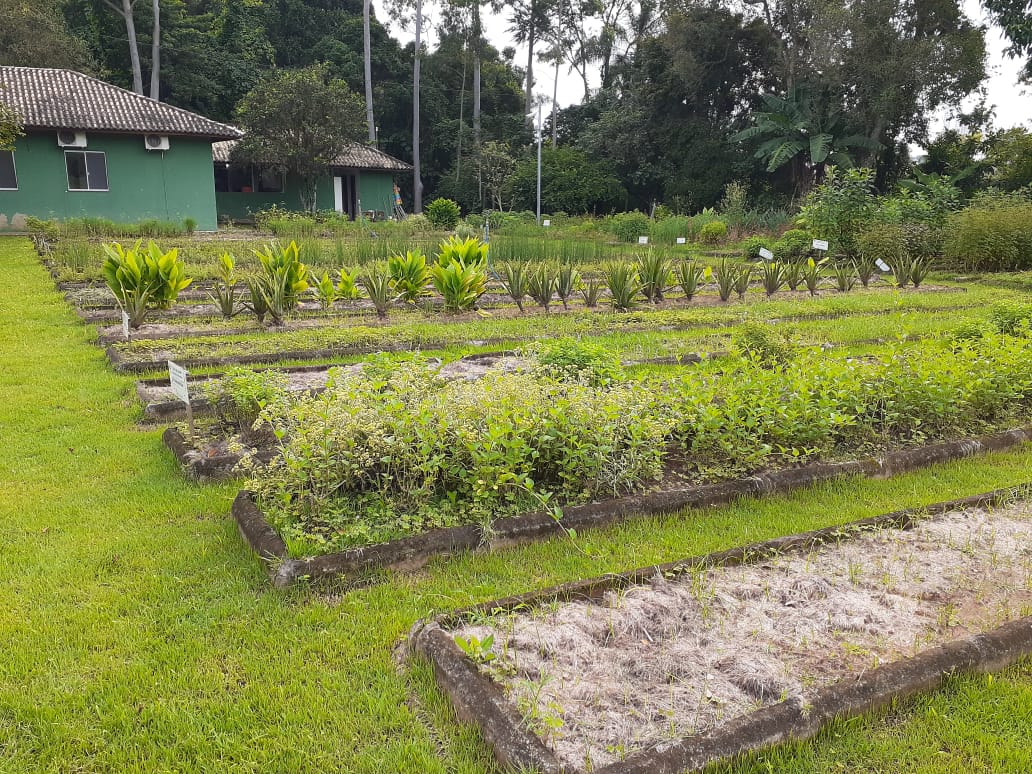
{"x":537,"y":129}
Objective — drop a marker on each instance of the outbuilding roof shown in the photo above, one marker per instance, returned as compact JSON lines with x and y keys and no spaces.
{"x":357,"y":156}
{"x":47,"y":98}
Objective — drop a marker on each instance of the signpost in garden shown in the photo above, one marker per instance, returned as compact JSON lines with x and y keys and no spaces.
{"x":177,"y":377}
{"x":820,"y":244}
{"x":766,"y":254}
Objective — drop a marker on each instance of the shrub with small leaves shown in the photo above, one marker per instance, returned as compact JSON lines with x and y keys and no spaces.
{"x":573,"y":360}
{"x":239,"y":396}
{"x":793,"y":246}
{"x":750,"y":248}
{"x":443,"y":214}
{"x":713,"y":233}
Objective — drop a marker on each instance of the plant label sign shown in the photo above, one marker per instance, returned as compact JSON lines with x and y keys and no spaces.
{"x":882,"y":266}
{"x":125,"y":326}
{"x":643,"y":240}
{"x":177,"y":378}
{"x":766,"y":254}
{"x":546,"y":222}
{"x":820,"y":244}
{"x":682,"y":240}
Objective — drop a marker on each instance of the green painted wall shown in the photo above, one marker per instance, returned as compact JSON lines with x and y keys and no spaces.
{"x":376,"y":191}
{"x":172,"y":185}
{"x":243,"y":206}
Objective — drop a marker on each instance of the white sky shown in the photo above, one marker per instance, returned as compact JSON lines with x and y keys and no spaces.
{"x":1013,"y":102}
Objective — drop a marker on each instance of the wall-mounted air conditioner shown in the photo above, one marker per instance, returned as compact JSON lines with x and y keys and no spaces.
{"x":155,"y":142}
{"x":66,"y":138}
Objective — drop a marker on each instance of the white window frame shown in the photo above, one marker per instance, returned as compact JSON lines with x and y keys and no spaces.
{"x":14,"y":166}
{"x":88,"y":188}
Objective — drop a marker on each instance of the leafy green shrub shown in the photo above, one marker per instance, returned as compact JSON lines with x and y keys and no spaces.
{"x":839,"y":208}
{"x":240,"y":395}
{"x":992,"y":236}
{"x":443,"y":214}
{"x":460,"y":284}
{"x":793,"y":246}
{"x":580,"y":361}
{"x":713,"y":233}
{"x":762,"y":343}
{"x":628,"y":226}
{"x":1009,"y":317}
{"x":143,"y":279}
{"x":886,"y":242}
{"x":750,"y":247}
{"x":410,"y":275}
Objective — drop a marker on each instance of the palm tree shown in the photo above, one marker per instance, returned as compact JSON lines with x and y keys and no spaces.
{"x":795,"y":130}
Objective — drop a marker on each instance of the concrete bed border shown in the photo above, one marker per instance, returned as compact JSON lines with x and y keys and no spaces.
{"x":415,"y":551}
{"x":203,"y":469}
{"x":478,"y":700}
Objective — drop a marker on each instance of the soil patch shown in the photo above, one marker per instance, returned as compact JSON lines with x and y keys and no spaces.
{"x":685,"y":656}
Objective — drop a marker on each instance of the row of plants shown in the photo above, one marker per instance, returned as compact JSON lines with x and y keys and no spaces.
{"x":396,"y":450}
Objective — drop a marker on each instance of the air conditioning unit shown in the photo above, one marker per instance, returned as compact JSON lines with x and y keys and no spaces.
{"x":66,"y":138}
{"x":155,"y":142}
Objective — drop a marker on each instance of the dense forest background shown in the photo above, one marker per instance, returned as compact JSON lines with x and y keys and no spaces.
{"x":693,"y":95}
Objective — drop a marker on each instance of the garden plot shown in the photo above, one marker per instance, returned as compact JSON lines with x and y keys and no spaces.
{"x":691,"y":653}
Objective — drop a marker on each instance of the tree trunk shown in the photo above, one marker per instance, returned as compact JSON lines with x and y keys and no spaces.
{"x":555,"y":104}
{"x":134,"y":51}
{"x":368,"y":56}
{"x":155,"y":73}
{"x":531,"y":40}
{"x":307,"y":192}
{"x":478,"y":34}
{"x":462,"y":116}
{"x":417,"y":181}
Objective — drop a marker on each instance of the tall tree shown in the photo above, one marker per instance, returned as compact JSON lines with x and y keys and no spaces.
{"x":155,"y":75}
{"x":126,"y":11}
{"x":298,"y":122}
{"x":34,"y":34}
{"x":530,"y":21}
{"x":1015,"y":17}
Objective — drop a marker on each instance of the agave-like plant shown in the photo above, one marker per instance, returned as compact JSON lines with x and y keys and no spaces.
{"x":741,"y":281}
{"x":224,"y":291}
{"x":725,"y":274}
{"x":653,"y":275}
{"x":567,"y":279}
{"x":622,"y":281}
{"x":143,"y":279}
{"x":380,"y":288}
{"x":811,"y":272}
{"x":591,"y":291}
{"x":772,"y":274}
{"x":692,"y":277}
{"x":514,"y":277}
{"x":541,"y":284}
{"x":845,"y":277}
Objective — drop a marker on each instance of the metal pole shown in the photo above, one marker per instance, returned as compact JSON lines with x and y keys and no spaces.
{"x":539,"y":165}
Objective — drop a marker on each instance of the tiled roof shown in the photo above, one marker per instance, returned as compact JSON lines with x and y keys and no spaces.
{"x":357,"y":156}
{"x":64,"y":99}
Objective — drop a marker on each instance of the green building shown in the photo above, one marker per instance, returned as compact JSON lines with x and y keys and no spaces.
{"x":361,"y":180}
{"x":94,"y":150}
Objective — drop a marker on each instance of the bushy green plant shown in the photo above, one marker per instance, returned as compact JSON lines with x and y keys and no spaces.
{"x":281,"y":279}
{"x":574,"y":360}
{"x":1008,"y":317}
{"x":839,"y":208}
{"x":460,"y":284}
{"x":240,"y":395}
{"x":762,"y":342}
{"x":713,"y":233}
{"x":623,"y":284}
{"x":465,"y":252}
{"x":515,"y":276}
{"x":750,"y":247}
{"x":793,"y":246}
{"x":410,"y":274}
{"x":691,"y":277}
{"x":142,"y":280}
{"x":628,"y":226}
{"x":224,"y":293}
{"x":992,"y":235}
{"x":347,"y":285}
{"x":443,"y":214}
{"x":654,"y":274}
{"x":325,"y":291}
{"x":885,"y":242}
{"x":666,"y":230}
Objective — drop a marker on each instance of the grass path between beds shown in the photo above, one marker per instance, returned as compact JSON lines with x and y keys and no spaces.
{"x":137,"y":634}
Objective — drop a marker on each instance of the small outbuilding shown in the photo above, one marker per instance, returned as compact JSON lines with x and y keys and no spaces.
{"x":95,"y":150}
{"x":360,"y":181}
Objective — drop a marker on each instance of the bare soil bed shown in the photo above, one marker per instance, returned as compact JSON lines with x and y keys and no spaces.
{"x":679,"y":657}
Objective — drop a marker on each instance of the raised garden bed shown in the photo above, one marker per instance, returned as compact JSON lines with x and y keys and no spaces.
{"x":671,"y":668}
{"x":412,"y":552}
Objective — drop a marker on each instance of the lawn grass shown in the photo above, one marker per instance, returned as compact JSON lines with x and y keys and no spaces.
{"x":139,"y":635}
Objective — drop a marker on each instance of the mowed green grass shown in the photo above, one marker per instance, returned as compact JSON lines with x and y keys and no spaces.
{"x":138,"y":634}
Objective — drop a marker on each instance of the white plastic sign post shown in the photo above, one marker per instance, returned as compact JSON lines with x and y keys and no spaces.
{"x":643,"y":240}
{"x":177,"y":376}
{"x":682,"y":240}
{"x":766,"y":254}
{"x":882,"y":266}
{"x":820,"y":244}
{"x":125,"y":327}
{"x":546,"y":222}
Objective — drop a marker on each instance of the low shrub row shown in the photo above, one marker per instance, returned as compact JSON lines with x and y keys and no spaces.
{"x":396,"y":450}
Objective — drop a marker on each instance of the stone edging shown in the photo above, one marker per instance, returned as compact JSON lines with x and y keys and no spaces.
{"x":479,"y":700}
{"x":415,"y":551}
{"x":217,"y":468}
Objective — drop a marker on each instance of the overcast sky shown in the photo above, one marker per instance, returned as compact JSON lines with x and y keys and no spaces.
{"x":1013,"y":102}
